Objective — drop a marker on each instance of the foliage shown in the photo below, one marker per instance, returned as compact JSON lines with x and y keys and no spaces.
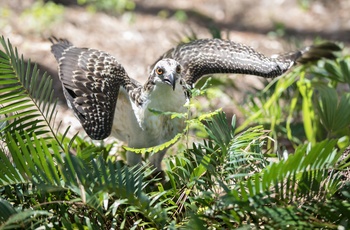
{"x":314,"y":98}
{"x":118,"y":6}
{"x":41,"y":15}
{"x":224,"y":181}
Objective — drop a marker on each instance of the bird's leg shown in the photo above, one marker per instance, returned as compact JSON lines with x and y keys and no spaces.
{"x":156,"y":160}
{"x":133,"y":158}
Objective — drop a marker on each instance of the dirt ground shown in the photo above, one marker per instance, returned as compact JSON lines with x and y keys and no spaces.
{"x":138,"y":38}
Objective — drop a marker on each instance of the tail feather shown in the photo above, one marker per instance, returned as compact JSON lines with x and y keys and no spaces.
{"x":316,"y":52}
{"x":308,"y":54}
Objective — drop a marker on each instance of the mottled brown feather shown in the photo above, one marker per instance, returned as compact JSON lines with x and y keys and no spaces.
{"x":212,"y":56}
{"x":91,"y":81}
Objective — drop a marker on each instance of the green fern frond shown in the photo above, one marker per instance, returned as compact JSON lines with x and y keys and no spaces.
{"x":285,"y":193}
{"x":334,"y":113}
{"x":32,"y":160}
{"x":322,"y":156}
{"x":337,"y":70}
{"x":95,"y":184}
{"x":12,"y":219}
{"x":240,"y":184}
{"x":26,"y":103}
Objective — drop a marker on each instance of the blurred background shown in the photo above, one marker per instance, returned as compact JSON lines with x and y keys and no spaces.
{"x":137,"y":32}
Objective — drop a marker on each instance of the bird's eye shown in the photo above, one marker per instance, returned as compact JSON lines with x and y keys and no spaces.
{"x":159,"y":71}
{"x":178,"y":69}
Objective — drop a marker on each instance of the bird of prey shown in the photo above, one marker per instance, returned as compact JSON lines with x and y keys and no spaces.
{"x":107,"y":101}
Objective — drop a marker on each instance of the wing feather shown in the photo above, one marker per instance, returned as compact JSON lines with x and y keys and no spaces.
{"x":211,"y":56}
{"x":91,"y":81}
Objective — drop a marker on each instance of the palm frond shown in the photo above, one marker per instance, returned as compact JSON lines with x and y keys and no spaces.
{"x":26,"y":101}
{"x":230,"y":183}
{"x":96,"y":184}
{"x":10,"y":218}
{"x":286,"y":192}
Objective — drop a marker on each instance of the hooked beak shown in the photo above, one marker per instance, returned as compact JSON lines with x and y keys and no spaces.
{"x":170,"y":80}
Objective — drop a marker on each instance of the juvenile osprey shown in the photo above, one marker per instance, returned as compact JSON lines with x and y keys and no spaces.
{"x":108,"y":102}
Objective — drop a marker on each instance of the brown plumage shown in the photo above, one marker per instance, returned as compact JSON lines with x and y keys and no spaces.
{"x":210,"y":56}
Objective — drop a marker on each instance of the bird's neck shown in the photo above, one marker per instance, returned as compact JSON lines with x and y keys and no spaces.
{"x":163,"y":98}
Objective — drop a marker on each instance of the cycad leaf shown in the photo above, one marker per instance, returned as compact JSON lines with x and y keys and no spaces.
{"x":345,"y":69}
{"x":334,"y":71}
{"x":334,"y":114}
{"x":23,"y":96}
{"x":218,"y":129}
{"x":6,"y":210}
{"x":8,"y":173}
{"x":15,"y":221}
{"x":342,"y":116}
{"x":33,"y":162}
{"x":320,"y":157}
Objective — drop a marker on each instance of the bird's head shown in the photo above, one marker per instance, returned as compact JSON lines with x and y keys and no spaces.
{"x":166,"y":71}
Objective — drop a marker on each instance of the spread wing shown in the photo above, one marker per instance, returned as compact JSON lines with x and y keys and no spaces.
{"x":211,"y":56}
{"x":91,"y":80}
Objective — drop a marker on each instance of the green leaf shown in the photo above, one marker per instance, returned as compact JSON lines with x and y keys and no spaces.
{"x":157,"y":148}
{"x":173,"y":115}
{"x":306,"y":91}
{"x":20,"y":218}
{"x":201,"y":168}
{"x":6,"y":210}
{"x":24,"y":95}
{"x":334,"y":114}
